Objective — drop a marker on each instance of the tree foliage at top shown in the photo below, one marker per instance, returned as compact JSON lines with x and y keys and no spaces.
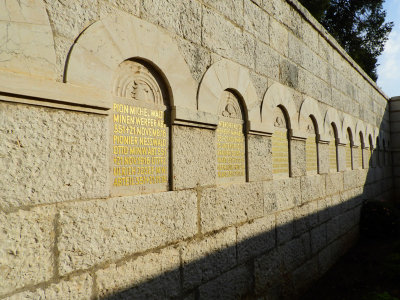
{"x":358,"y":25}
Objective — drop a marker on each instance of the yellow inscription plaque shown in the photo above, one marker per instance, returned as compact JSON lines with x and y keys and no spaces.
{"x":230,"y":150}
{"x":348,"y":157}
{"x":140,"y":146}
{"x":332,"y":157}
{"x":280,"y":153}
{"x":231,"y":144}
{"x":311,"y":155}
{"x":139,"y":135}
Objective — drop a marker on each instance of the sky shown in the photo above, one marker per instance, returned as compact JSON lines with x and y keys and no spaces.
{"x":389,"y":61}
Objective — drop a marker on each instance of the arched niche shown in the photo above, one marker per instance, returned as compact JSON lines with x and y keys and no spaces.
{"x":347,"y":124}
{"x":331,"y":116}
{"x":280,"y":143}
{"x":139,"y":130}
{"x":231,"y":138}
{"x":349,"y":138}
{"x":101,"y":48}
{"x":280,"y":96}
{"x":27,"y":46}
{"x":359,"y":136}
{"x":360,"y":143}
{"x":369,"y":134}
{"x":309,"y":108}
{"x":227,"y":75}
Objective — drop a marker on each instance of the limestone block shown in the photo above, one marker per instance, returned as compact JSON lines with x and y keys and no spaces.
{"x":228,"y":205}
{"x":267,"y":61}
{"x":27,"y":48}
{"x":281,"y":194}
{"x":78,"y":287}
{"x":318,"y":238}
{"x":26,"y":248}
{"x":296,"y":49}
{"x":130,"y":6}
{"x":233,"y":10}
{"x":259,"y":158}
{"x":207,"y":258}
{"x":289,"y":73}
{"x":334,"y":183}
{"x":279,"y":37}
{"x":295,"y":252}
{"x":350,"y":179}
{"x":323,"y":158}
{"x":153,"y":275}
{"x":50,"y":155}
{"x":305,"y":275}
{"x":333,"y":229}
{"x":100,"y":230}
{"x":306,"y":217}
{"x":284,"y":226}
{"x":325,"y":50}
{"x":181,"y":17}
{"x":312,"y":187}
{"x":255,"y":237}
{"x":234,"y":284}
{"x":268,"y":270}
{"x":310,"y":36}
{"x":324,"y":209}
{"x":197,"y":58}
{"x":227,"y":40}
{"x":325,"y":259}
{"x":70,"y":18}
{"x":194,"y":157}
{"x":256,"y":21}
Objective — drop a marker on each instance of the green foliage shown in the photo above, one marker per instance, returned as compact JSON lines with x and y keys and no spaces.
{"x":358,"y":25}
{"x":381,"y":296}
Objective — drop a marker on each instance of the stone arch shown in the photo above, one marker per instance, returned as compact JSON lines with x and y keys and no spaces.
{"x":308,"y":108}
{"x":332,"y":116}
{"x":29,"y":47}
{"x":280,"y":96}
{"x":369,"y":134}
{"x":227,"y":75}
{"x":348,"y":124}
{"x":359,"y":128}
{"x":100,"y":49}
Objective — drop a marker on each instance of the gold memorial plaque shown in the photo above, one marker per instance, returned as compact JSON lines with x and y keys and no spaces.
{"x":231,"y":146}
{"x":280,"y":145}
{"x":139,"y":132}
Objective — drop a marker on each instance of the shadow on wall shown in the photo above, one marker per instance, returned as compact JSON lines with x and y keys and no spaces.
{"x":278,"y":263}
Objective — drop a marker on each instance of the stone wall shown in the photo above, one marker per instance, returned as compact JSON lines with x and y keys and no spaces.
{"x":261,"y":140}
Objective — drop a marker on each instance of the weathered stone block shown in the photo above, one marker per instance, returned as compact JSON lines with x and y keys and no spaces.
{"x":268,"y":270}
{"x":305,"y":275}
{"x":312,"y":187}
{"x":181,"y":17}
{"x":234,"y":284}
{"x":37,"y":142}
{"x":26,"y":248}
{"x":284,"y":226}
{"x":207,"y":258}
{"x":350,"y":179}
{"x":194,"y":157}
{"x":233,"y":10}
{"x":256,"y":21}
{"x":227,"y":205}
{"x":289,"y":73}
{"x":323,"y":158}
{"x":226,"y":39}
{"x":96,"y":231}
{"x":281,"y":194}
{"x":296,"y":252}
{"x":334,"y":183}
{"x":318,"y":238}
{"x":267,"y":61}
{"x":153,"y":275}
{"x":78,"y":287}
{"x":255,"y":237}
{"x":259,"y":158}
{"x":306,"y":217}
{"x":278,"y":37}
